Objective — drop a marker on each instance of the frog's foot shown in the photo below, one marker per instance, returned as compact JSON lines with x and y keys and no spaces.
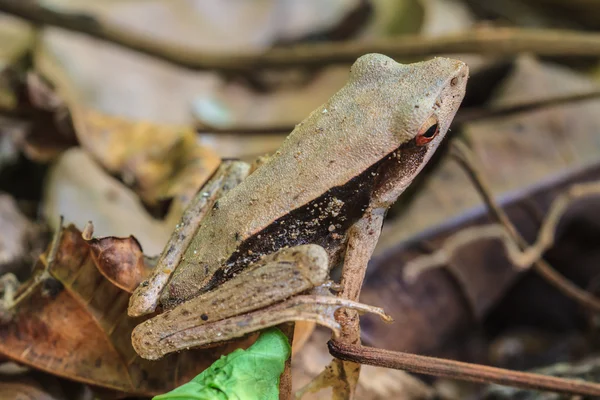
{"x":145,"y":298}
{"x":341,"y":376}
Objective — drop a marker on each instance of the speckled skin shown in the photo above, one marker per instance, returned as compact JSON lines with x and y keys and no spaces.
{"x":381,"y":108}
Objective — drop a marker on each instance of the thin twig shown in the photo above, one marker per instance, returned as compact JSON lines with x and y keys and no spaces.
{"x":467,"y":236}
{"x":500,"y":41}
{"x":476,"y":114}
{"x":520,"y":257}
{"x":462,"y":154}
{"x":41,"y":277}
{"x":460,"y":370}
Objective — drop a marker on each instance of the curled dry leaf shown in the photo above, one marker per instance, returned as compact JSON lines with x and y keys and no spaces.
{"x":81,"y":330}
{"x":120,"y":260}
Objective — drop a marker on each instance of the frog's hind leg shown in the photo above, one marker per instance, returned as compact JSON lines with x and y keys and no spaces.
{"x":261,"y":296}
{"x":145,"y":298}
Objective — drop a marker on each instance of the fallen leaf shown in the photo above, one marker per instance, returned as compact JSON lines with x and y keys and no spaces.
{"x":49,"y":130}
{"x":81,"y":330}
{"x":79,"y":189}
{"x":158,"y":161}
{"x":120,"y":260}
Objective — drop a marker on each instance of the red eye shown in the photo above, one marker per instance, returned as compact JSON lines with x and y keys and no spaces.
{"x":428,"y":131}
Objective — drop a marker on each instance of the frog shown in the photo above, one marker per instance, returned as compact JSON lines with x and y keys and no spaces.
{"x":256,"y":245}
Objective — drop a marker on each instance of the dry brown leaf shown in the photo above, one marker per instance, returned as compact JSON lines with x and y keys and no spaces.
{"x":120,"y":260}
{"x":49,"y":131}
{"x":82,"y":331}
{"x":158,"y":161}
{"x":80,"y":190}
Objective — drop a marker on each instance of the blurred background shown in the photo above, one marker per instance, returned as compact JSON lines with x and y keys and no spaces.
{"x":116,"y":112}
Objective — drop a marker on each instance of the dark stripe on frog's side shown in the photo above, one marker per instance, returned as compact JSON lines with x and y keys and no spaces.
{"x":326,"y":219}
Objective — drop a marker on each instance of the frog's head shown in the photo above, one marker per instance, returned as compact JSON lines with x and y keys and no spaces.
{"x":415,"y":104}
{"x":419,"y":100}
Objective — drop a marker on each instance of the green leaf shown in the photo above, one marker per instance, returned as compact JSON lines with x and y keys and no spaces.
{"x":243,"y":374}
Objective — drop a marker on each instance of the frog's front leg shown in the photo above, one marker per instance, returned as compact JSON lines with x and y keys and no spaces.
{"x":342,"y":376}
{"x":145,"y":298}
{"x":259,"y":297}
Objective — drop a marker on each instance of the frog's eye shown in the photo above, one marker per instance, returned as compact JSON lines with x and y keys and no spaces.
{"x":428,"y":131}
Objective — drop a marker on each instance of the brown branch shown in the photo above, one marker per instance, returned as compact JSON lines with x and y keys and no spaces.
{"x":460,"y":370}
{"x":501,"y":41}
{"x":463,"y":115}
